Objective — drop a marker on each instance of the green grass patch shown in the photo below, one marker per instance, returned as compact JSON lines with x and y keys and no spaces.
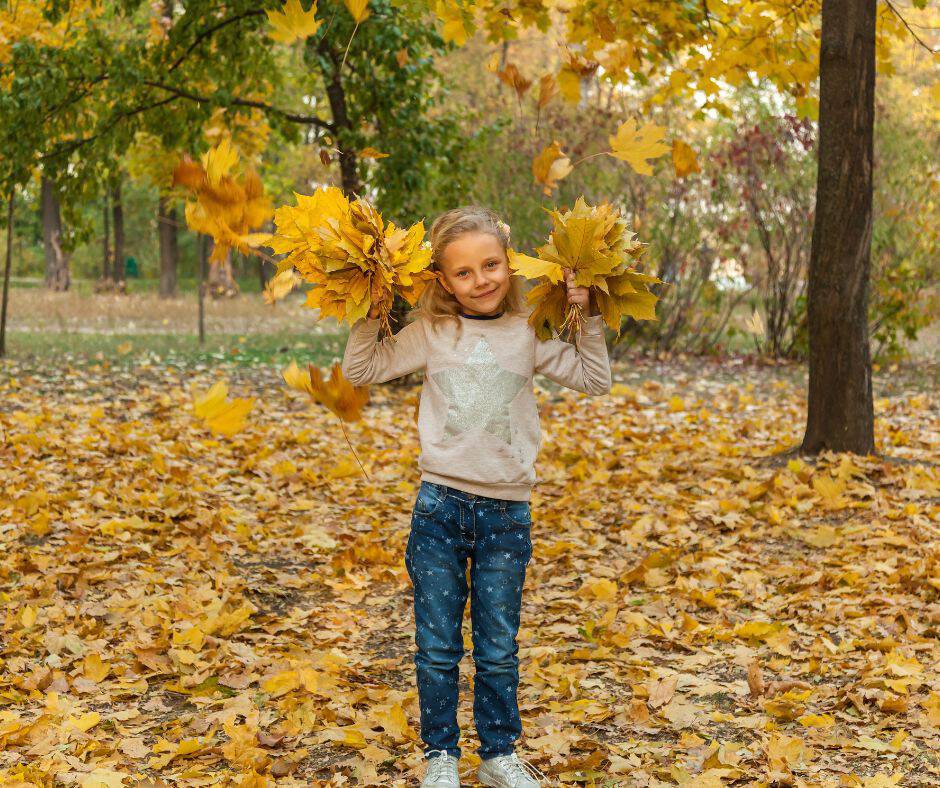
{"x":34,"y":350}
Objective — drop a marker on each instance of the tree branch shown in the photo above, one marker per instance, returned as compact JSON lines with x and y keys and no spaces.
{"x":76,"y":144}
{"x":209,"y":31}
{"x":910,"y":29}
{"x":291,"y":116}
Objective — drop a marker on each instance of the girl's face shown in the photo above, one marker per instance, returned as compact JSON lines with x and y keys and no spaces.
{"x":476,"y":272}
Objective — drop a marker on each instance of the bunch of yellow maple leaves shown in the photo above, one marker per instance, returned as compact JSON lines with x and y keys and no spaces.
{"x":596,"y":244}
{"x":354,"y":260}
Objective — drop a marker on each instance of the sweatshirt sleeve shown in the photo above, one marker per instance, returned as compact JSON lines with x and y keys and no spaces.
{"x":366,"y":361}
{"x":584,"y":366}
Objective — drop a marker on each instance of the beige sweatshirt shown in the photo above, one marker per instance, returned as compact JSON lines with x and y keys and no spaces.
{"x":478,"y":420}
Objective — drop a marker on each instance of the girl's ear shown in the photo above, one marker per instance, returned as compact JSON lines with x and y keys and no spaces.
{"x":440,"y":278}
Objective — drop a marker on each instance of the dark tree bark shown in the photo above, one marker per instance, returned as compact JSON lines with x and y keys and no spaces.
{"x":117,"y":208}
{"x":6,"y":276}
{"x":106,"y":241}
{"x":57,"y":261}
{"x":202,"y":242}
{"x":336,"y":93}
{"x":840,"y":414}
{"x":169,"y":250}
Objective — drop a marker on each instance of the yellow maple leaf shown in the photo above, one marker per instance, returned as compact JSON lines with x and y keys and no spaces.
{"x":548,"y":89}
{"x":278,"y":286}
{"x":683,"y":159}
{"x":512,"y":78}
{"x":458,"y":22}
{"x":84,"y":723}
{"x":754,"y":324}
{"x":222,"y":415}
{"x":830,"y":491}
{"x":359,"y":9}
{"x":337,"y":394}
{"x":219,"y":161}
{"x":550,"y":166}
{"x":292,"y":22}
{"x":95,"y":669}
{"x":931,"y":706}
{"x":372,"y":153}
{"x":575,"y":68}
{"x":635,"y":146}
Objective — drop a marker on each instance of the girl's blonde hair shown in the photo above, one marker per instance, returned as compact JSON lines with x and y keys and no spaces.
{"x":435,"y":303}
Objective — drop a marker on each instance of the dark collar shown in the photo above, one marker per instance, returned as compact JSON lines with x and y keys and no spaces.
{"x":482,"y":317}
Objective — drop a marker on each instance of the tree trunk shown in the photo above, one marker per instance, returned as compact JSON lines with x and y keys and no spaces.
{"x":222,"y":282}
{"x":169,"y":251}
{"x":106,"y":241}
{"x":117,"y":208}
{"x":57,"y":262}
{"x":202,"y":244}
{"x":6,"y":276}
{"x":840,"y":413}
{"x":348,"y":161}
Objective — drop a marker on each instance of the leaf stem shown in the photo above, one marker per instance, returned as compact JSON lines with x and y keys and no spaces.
{"x":345,"y":435}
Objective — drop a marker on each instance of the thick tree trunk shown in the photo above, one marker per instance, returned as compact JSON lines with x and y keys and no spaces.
{"x":6,"y":276}
{"x":57,"y":261}
{"x":348,"y":161}
{"x":169,"y":251}
{"x":117,"y":209}
{"x":840,"y":414}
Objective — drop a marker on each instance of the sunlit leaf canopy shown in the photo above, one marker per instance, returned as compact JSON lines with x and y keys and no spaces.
{"x":701,"y":46}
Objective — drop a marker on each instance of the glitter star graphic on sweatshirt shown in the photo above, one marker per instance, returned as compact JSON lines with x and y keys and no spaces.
{"x":478,"y":393}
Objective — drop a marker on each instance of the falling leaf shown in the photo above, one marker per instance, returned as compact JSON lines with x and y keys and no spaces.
{"x":754,"y":324}
{"x":372,"y":153}
{"x":683,"y":159}
{"x":278,"y":286}
{"x":292,"y":22}
{"x":636,"y":146}
{"x":511,"y":77}
{"x":550,"y":166}
{"x":337,"y":394}
{"x":548,"y":89}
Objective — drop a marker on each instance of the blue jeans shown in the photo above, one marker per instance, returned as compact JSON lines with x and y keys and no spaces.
{"x":448,"y":526}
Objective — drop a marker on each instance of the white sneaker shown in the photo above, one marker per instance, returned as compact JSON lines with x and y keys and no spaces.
{"x":442,"y":771}
{"x":509,"y":771}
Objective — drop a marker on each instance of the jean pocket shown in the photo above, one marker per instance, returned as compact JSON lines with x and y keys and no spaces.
{"x":429,"y":500}
{"x":516,"y":514}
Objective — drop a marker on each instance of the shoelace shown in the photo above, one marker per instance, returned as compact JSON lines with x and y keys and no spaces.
{"x":519,"y":767}
{"x":436,"y":765}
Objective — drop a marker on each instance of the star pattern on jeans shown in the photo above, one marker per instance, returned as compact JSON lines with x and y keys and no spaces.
{"x":438,"y":567}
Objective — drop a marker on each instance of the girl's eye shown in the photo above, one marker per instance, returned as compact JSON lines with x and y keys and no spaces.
{"x":492,"y":262}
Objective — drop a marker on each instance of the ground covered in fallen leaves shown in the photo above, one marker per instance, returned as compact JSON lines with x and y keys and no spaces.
{"x":703,"y":607}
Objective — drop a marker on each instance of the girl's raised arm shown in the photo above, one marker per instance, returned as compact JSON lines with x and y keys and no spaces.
{"x":367,"y":361}
{"x":584,"y":366}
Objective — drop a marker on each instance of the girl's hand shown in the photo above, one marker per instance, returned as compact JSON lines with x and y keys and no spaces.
{"x":373,"y":312}
{"x":580,"y":296}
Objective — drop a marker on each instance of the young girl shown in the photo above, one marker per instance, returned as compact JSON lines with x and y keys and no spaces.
{"x":478,"y":424}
